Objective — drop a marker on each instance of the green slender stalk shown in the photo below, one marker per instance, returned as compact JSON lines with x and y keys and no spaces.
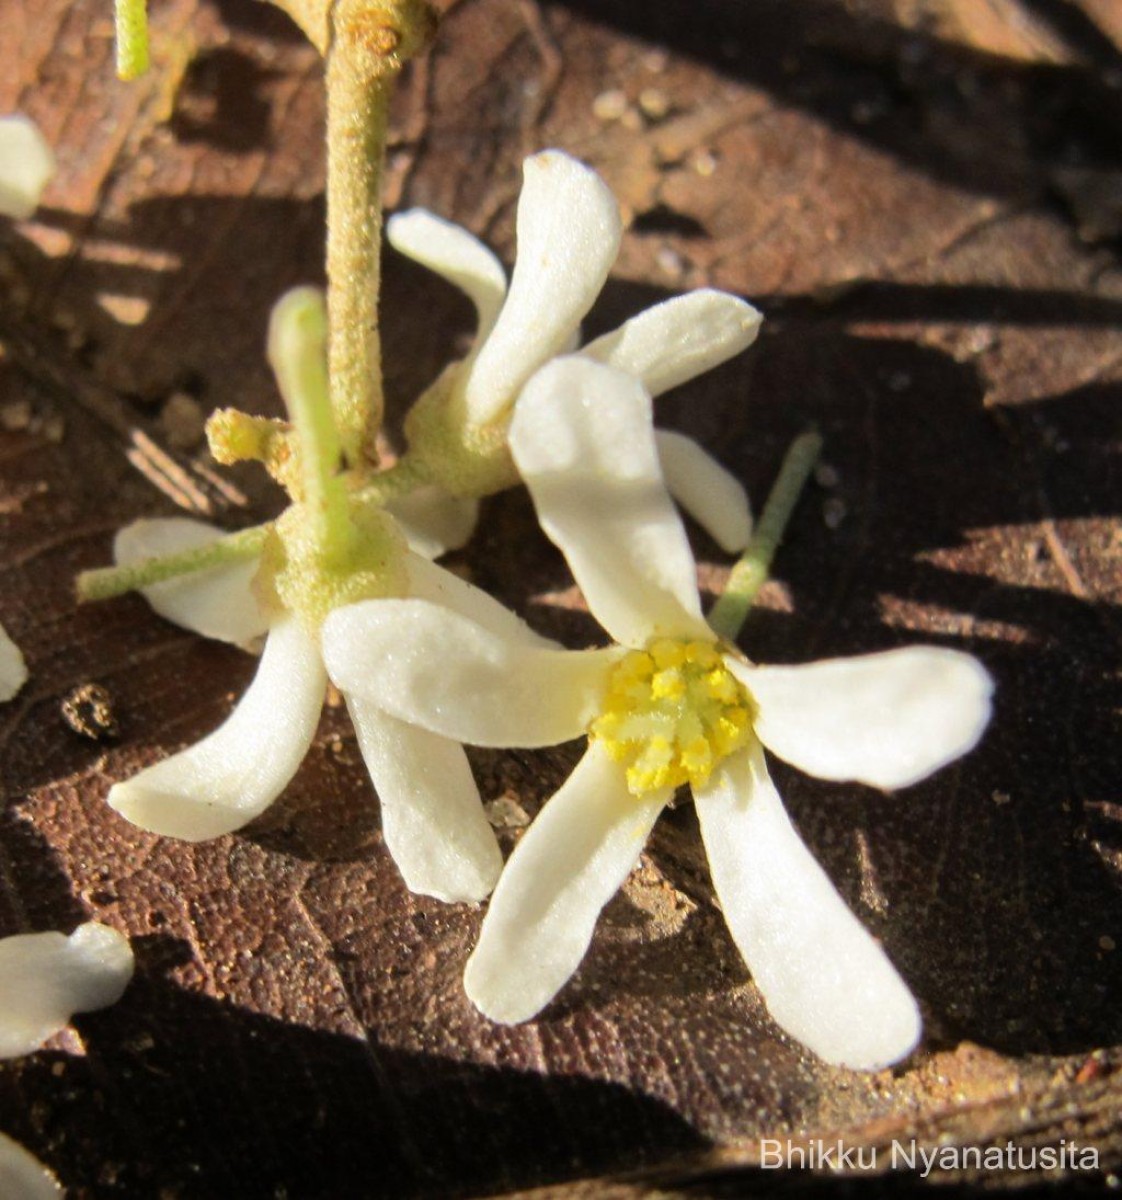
{"x":107,"y":582}
{"x":751,"y":571}
{"x":356,"y":131}
{"x":297,"y":344}
{"x":368,"y":43}
{"x":132,"y":38}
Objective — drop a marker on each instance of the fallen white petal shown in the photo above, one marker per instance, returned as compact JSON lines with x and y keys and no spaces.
{"x":45,"y":978}
{"x":26,"y":166}
{"x":433,"y":520}
{"x":218,"y":603}
{"x":432,"y":817}
{"x":437,"y":669}
{"x":568,"y":231}
{"x":23,"y":1176}
{"x":887,"y":720}
{"x":825,"y":980}
{"x":571,"y":862}
{"x":583,"y":442}
{"x":455,"y":255}
{"x":679,"y":339}
{"x":713,"y":496}
{"x":429,"y":581}
{"x":233,"y":775}
{"x":13,"y":670}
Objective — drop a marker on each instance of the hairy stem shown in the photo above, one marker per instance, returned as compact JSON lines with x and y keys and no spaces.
{"x":367,"y":45}
{"x":750,"y":573}
{"x":107,"y":582}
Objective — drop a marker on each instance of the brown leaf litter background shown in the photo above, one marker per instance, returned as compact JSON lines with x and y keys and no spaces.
{"x":926,"y":201}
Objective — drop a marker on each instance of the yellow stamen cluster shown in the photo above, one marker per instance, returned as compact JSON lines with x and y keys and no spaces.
{"x":673,"y":711}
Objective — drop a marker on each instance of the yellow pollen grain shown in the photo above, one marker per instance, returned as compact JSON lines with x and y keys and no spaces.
{"x":672,"y":712}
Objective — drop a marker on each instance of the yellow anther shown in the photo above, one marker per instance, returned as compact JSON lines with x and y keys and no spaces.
{"x":720,"y":685}
{"x":672,"y":712}
{"x":702,"y":654}
{"x":697,"y":757}
{"x":667,"y":653}
{"x":637,"y":666}
{"x":668,"y":685}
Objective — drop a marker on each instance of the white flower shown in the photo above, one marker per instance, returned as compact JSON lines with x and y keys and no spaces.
{"x":47,"y":977}
{"x":667,"y":704}
{"x":569,"y":230}
{"x":13,"y":670}
{"x":432,"y":818}
{"x":26,"y":165}
{"x":23,"y":1176}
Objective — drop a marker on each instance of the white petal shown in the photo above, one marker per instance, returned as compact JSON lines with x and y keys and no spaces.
{"x":825,"y":980}
{"x":47,"y":977}
{"x":13,"y":670}
{"x":455,"y":255}
{"x":432,"y":817}
{"x":433,"y":520}
{"x":218,"y":603}
{"x":679,"y":338}
{"x":713,"y":496}
{"x":26,"y":165}
{"x":437,"y":669}
{"x":23,"y":1176}
{"x":887,"y":720}
{"x":233,"y":775}
{"x":571,"y":862}
{"x":583,"y":441}
{"x":429,"y":581}
{"x":568,"y":237}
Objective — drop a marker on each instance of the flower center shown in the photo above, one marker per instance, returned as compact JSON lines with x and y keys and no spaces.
{"x":673,"y":711}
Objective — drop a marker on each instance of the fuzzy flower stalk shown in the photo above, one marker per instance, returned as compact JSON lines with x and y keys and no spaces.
{"x":332,"y":547}
{"x":668,"y":704}
{"x":365,"y":44}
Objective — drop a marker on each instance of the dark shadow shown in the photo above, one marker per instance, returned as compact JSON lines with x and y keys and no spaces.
{"x":182,"y":1094}
{"x":1077,"y":28}
{"x":219,"y":103}
{"x":663,"y":221}
{"x":35,"y":894}
{"x":266,"y":21}
{"x":884,"y":300}
{"x":979,"y":121}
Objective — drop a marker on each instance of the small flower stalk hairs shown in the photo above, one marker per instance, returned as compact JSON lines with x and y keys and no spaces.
{"x":568,"y":230}
{"x":668,"y":704}
{"x":332,"y":547}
